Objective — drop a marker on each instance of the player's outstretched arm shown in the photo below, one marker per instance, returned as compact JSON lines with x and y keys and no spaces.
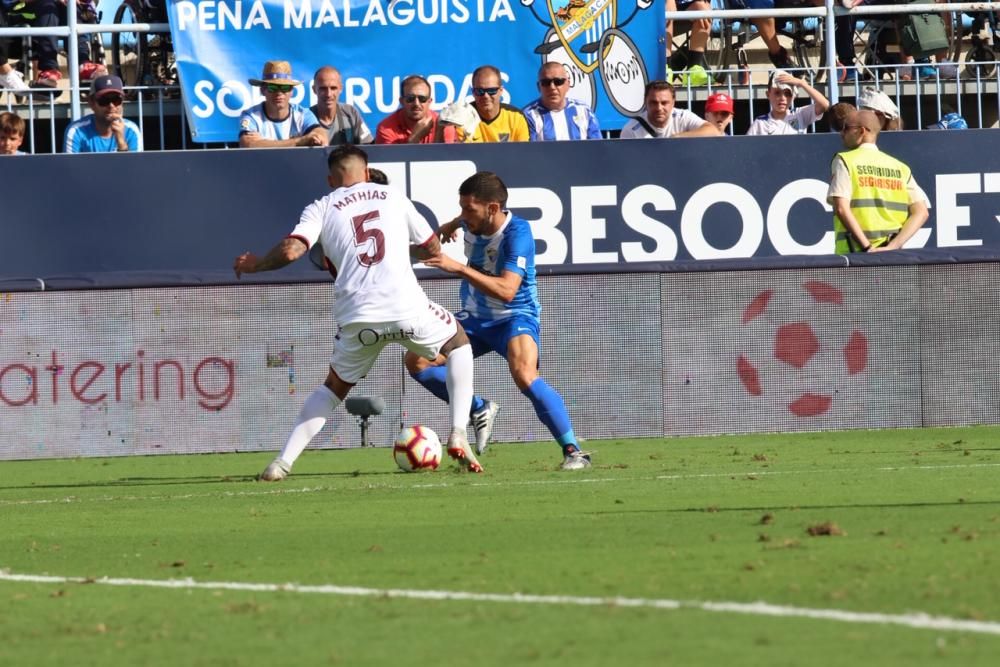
{"x":287,"y":251}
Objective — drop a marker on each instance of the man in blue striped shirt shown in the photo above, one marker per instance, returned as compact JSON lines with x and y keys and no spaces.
{"x":555,"y":117}
{"x":500,"y":311}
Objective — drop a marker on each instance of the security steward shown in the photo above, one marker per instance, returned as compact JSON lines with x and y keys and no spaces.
{"x":877,"y":205}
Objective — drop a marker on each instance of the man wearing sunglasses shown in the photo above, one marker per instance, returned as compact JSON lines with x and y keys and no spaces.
{"x":498,"y":122}
{"x":784,"y":118}
{"x":556,"y":117}
{"x":414,"y":122}
{"x":277,"y":122}
{"x":877,"y":204}
{"x":106,"y":130}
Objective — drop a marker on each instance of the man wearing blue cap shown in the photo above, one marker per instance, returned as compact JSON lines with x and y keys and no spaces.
{"x":106,"y":130}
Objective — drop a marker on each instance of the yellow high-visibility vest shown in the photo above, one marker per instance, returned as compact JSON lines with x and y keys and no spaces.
{"x":879,"y":200}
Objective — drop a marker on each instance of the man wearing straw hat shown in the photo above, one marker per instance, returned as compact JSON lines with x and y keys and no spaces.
{"x":278,"y":122}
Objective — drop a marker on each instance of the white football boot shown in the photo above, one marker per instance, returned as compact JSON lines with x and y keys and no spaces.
{"x":276,"y":470}
{"x":482,"y":422}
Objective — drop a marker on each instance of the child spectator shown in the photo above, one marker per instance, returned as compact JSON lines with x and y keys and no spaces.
{"x":11,"y":133}
{"x":719,"y":111}
{"x":837,"y":115}
{"x":783,"y":117}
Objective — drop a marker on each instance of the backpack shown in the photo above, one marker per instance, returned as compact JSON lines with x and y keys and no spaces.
{"x":922,"y":35}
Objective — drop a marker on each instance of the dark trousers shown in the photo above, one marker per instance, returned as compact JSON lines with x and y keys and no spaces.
{"x":50,"y":14}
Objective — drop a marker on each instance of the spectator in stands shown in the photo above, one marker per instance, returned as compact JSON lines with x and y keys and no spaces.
{"x":414,"y":122}
{"x":342,"y":122}
{"x":877,"y":204}
{"x":837,"y":114}
{"x":949,"y":121}
{"x":11,"y":133}
{"x":873,"y":99}
{"x":719,"y":111}
{"x":498,"y":122}
{"x":783,"y":118}
{"x":555,"y":117}
{"x":696,"y":70}
{"x":52,"y":13}
{"x":10,"y":79}
{"x":277,"y":122}
{"x":105,"y":130}
{"x":664,"y":120}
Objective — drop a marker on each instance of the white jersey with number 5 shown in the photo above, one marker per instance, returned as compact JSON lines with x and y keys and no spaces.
{"x":366,"y":231}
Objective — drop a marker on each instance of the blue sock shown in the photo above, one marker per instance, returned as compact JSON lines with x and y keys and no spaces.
{"x":434,"y":380}
{"x":551,"y":411}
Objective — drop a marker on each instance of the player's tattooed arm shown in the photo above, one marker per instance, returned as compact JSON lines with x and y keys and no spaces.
{"x":284,"y":253}
{"x":430,"y":248}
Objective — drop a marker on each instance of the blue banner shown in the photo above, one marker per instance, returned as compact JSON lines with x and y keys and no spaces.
{"x":611,"y":47}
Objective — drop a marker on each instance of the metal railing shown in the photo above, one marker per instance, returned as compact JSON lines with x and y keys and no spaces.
{"x":828,"y":13}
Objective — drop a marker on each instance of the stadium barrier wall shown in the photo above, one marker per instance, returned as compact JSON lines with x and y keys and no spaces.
{"x":181,"y":217}
{"x":225,"y":368}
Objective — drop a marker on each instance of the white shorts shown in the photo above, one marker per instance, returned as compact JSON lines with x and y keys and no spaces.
{"x":358,"y":345}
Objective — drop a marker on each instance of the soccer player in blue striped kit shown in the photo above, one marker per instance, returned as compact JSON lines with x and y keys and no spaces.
{"x":500,"y":311}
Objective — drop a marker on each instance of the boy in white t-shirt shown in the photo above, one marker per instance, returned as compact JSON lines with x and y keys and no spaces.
{"x":783,"y":118}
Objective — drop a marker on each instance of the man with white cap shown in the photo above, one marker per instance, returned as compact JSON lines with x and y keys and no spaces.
{"x":277,"y":122}
{"x":784,"y":118}
{"x":873,"y":99}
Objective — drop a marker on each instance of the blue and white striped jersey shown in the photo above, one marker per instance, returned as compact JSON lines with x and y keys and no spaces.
{"x":576,"y":121}
{"x":511,"y":248}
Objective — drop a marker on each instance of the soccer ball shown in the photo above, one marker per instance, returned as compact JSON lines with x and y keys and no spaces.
{"x":417,"y":449}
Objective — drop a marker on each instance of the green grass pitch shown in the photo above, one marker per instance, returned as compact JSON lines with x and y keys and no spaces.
{"x":864,"y":548}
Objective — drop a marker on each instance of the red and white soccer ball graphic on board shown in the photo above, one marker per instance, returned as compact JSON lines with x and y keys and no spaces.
{"x":802,"y":352}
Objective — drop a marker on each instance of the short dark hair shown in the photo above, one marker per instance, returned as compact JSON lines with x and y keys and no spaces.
{"x":410,"y":80}
{"x":659,"y":84}
{"x":343,"y":153}
{"x":484,"y":186}
{"x":377,"y":176}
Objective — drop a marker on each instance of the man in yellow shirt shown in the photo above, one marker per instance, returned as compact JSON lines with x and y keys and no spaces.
{"x":497,"y":121}
{"x":877,"y":204}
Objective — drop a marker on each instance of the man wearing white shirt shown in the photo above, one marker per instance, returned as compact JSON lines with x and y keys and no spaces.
{"x":664,"y":120}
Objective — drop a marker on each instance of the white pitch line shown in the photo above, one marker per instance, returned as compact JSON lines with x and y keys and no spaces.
{"x":914,"y":620}
{"x":540,"y":482}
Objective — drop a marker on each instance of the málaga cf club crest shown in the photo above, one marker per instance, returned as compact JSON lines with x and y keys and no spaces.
{"x":580,"y":23}
{"x":586,"y":37}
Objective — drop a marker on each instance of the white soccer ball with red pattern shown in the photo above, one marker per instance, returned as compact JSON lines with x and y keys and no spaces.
{"x":417,"y":449}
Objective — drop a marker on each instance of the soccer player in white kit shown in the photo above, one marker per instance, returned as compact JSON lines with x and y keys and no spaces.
{"x":368,"y":233}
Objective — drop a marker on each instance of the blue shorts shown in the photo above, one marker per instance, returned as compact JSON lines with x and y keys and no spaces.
{"x":489,"y":336}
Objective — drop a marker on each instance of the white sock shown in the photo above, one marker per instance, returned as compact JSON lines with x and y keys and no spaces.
{"x":459,"y":381}
{"x":315,"y":411}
